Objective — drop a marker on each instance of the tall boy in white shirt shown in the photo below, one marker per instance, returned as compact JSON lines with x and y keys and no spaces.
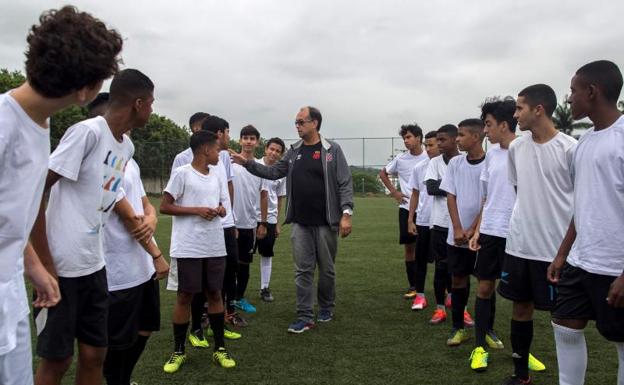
{"x":402,"y":166}
{"x":589,"y":266}
{"x":85,"y":176}
{"x":24,"y":152}
{"x":195,"y":196}
{"x":539,"y":169}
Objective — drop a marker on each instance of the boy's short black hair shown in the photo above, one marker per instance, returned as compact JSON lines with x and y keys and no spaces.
{"x":250,"y":130}
{"x":605,"y":75}
{"x":213,"y":124}
{"x":225,"y":123}
{"x":276,"y":141}
{"x":502,"y":110}
{"x":100,"y":100}
{"x":200,"y":138}
{"x":128,"y":85}
{"x":449,"y":129}
{"x":197,"y":118}
{"x":413,"y":128}
{"x":431,"y":134}
{"x":540,"y":94}
{"x":70,"y":50}
{"x":315,"y":114}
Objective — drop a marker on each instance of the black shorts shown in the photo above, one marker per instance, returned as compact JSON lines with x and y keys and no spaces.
{"x":246,"y":240}
{"x":583,"y":295}
{"x":196,"y":275}
{"x":423,"y":243}
{"x":490,"y":257}
{"x":524,"y":280}
{"x":231,"y":245}
{"x":265,"y":245}
{"x":461,"y":260}
{"x":438,"y":243}
{"x":405,"y":238}
{"x":81,"y":314}
{"x":132,"y":310}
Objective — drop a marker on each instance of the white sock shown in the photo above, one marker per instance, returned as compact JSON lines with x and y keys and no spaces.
{"x":620,"y":350}
{"x":265,"y":271}
{"x":571,"y":355}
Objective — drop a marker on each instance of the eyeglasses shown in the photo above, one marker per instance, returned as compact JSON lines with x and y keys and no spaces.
{"x":301,"y":122}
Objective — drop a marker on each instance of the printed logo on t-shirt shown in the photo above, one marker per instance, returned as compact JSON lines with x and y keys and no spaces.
{"x":114,"y":167}
{"x":316,"y":155}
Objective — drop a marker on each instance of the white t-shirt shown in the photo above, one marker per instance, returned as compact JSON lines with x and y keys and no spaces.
{"x":462,"y":180}
{"x":274,"y":189}
{"x":498,"y":192}
{"x":598,"y":174}
{"x":543,"y":208}
{"x":91,"y":162}
{"x":247,"y":189}
{"x":191,"y":235}
{"x":425,"y":201}
{"x":24,"y":153}
{"x":183,"y":158}
{"x":439,"y":210}
{"x":402,"y":165}
{"x":127,"y":263}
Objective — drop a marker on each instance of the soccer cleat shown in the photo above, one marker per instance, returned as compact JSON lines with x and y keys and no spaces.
{"x":300,"y":326}
{"x":174,"y":363}
{"x":439,"y":316}
{"x":513,"y":380}
{"x":493,"y":341}
{"x":243,"y":305}
{"x":236,"y":320}
{"x":457,"y":336}
{"x":222,"y":358}
{"x":325,"y":316}
{"x":420,"y":302}
{"x":266,"y":296}
{"x":410,"y":293}
{"x":478,"y":359}
{"x":468,"y":321}
{"x":535,"y":365}
{"x":198,"y":340}
{"x":448,"y":302}
{"x":228,"y":334}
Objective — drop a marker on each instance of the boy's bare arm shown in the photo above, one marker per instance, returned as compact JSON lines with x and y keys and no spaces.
{"x":38,"y":235}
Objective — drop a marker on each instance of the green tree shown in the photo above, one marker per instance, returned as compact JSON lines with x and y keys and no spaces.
{"x":62,"y":120}
{"x":10,"y":80}
{"x":364,"y":182}
{"x":563,"y":120}
{"x":259,"y":153}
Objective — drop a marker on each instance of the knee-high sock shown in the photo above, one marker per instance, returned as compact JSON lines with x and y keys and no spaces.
{"x":179,"y":336}
{"x":133,"y":354}
{"x":620,"y":350}
{"x":197,"y":310}
{"x":571,"y":355}
{"x":492,"y":311}
{"x":483,"y":308}
{"x":458,"y":305}
{"x":229,"y":284}
{"x":420,"y":274}
{"x":242,"y":279}
{"x":410,"y":271}
{"x":266,"y":264}
{"x":440,"y":277}
{"x":114,"y":366}
{"x":217,"y":326}
{"x":521,"y":338}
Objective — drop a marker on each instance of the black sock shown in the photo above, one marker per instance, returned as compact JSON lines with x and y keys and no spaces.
{"x":217,"y":325}
{"x":521,"y":337}
{"x":482,"y":318}
{"x":420,"y":274}
{"x":410,"y":270}
{"x":133,"y":354}
{"x":242,"y":280}
{"x":492,"y":311}
{"x":460,"y":298}
{"x":229,"y":284}
{"x":439,"y":282}
{"x":197,"y":310}
{"x":179,"y":336}
{"x":114,"y":365}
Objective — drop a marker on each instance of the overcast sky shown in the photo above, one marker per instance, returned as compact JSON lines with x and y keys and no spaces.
{"x":368,"y":66}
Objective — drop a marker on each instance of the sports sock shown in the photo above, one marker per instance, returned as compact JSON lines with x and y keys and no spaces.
{"x":197,"y":310}
{"x":410,"y":270}
{"x":229,"y":284}
{"x":266,"y":264}
{"x":242,"y":280}
{"x":620,"y":350}
{"x":439,"y":282}
{"x":114,"y":366}
{"x":482,"y":317}
{"x":179,"y":336}
{"x":133,"y":353}
{"x":521,"y":338}
{"x":421,"y":274}
{"x":460,"y":297}
{"x":571,"y":354}
{"x":217,"y":325}
{"x":492,"y":312}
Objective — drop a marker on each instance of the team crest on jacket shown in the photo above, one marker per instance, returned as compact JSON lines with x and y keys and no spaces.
{"x":329,"y":157}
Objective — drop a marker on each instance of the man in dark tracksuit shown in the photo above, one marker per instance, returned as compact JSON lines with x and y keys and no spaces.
{"x":320,"y":205}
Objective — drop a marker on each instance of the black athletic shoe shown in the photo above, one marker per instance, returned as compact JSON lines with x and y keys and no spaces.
{"x":266,"y":296}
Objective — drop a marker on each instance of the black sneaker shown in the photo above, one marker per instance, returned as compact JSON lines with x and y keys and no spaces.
{"x":513,"y":380}
{"x":266,"y":296}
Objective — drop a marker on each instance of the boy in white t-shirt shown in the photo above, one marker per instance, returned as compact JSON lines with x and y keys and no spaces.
{"x":419,"y":219}
{"x":539,"y":169}
{"x":51,"y":85}
{"x":249,"y":196}
{"x":85,"y":176}
{"x":276,"y":191}
{"x":195,"y":196}
{"x":402,"y":166}
{"x":461,"y":183}
{"x":588,"y":268}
